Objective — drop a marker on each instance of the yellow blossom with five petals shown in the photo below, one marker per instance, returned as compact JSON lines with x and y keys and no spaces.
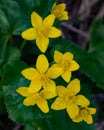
{"x":59,"y":11}
{"x":42,"y":30}
{"x":42,"y":75}
{"x":38,"y":98}
{"x":66,"y":62}
{"x":68,"y":98}
{"x":83,"y":113}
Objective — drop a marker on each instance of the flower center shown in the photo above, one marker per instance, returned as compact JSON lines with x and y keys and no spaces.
{"x":43,"y":31}
{"x":43,"y":77}
{"x":36,"y":96}
{"x":56,"y":12}
{"x":84,"y":112}
{"x":64,"y":64}
{"x":70,"y":99}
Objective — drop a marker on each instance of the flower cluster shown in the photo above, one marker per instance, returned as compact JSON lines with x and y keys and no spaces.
{"x":42,"y":85}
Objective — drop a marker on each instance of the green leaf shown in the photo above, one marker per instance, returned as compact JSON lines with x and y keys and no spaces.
{"x":97,"y":36}
{"x":12,"y":79}
{"x":81,"y":126}
{"x":89,"y":64}
{"x":2,"y":106}
{"x":96,"y":46}
{"x":29,"y":127}
{"x":8,"y":53}
{"x":61,"y":121}
{"x":15,"y":16}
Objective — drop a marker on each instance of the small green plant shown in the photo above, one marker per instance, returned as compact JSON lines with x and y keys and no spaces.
{"x":41,"y":87}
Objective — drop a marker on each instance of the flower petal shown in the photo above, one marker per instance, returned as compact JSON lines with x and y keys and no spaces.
{"x":66,"y":76}
{"x":68,"y":56}
{"x":72,"y":110}
{"x":88,"y":119}
{"x":23,"y":91}
{"x":77,"y":119}
{"x":42,"y":64}
{"x":54,"y":72}
{"x":47,"y":94}
{"x":64,"y":16}
{"x":74,"y":87}
{"x":61,"y":91}
{"x":59,"y":104}
{"x":29,"y":101}
{"x":53,"y":6}
{"x":61,"y":7}
{"x":35,"y":86}
{"x":30,"y":73}
{"x":42,"y":43}
{"x":36,"y":20}
{"x":91,"y":110}
{"x":58,"y":56}
{"x":43,"y":105}
{"x":82,"y":101}
{"x":49,"y":20}
{"x":29,"y":34}
{"x":49,"y":85}
{"x":54,"y":32}
{"x":74,"y":66}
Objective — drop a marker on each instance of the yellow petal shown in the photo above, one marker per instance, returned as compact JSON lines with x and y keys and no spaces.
{"x":54,"y":72}
{"x":59,"y":104}
{"x":36,"y":20}
{"x":82,"y":101}
{"x":61,"y":7}
{"x":42,"y":43}
{"x":43,"y":105}
{"x":77,"y":119}
{"x":49,"y":85}
{"x":35,"y":86}
{"x":30,"y":73}
{"x":74,"y":87}
{"x":58,"y":56}
{"x":42,"y":64}
{"x":54,"y":32}
{"x":64,"y":16}
{"x":29,"y":34}
{"x":53,"y":6}
{"x":66,"y":76}
{"x":88,"y":119}
{"x":73,"y":110}
{"x":29,"y":101}
{"x":61,"y":91}
{"x":47,"y":94}
{"x":68,"y":56}
{"x":91,"y":110}
{"x":74,"y":66}
{"x":23,"y":91}
{"x":49,"y":20}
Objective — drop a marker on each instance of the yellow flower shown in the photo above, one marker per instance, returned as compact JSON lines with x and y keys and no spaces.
{"x":41,"y":31}
{"x":42,"y":75}
{"x":38,"y":98}
{"x":83,"y":113}
{"x":68,"y":98}
{"x":66,"y":62}
{"x":58,"y":11}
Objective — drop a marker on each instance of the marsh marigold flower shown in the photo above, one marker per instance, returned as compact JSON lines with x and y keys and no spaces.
{"x":82,"y":113}
{"x":68,"y":98}
{"x":59,"y":11}
{"x":42,"y":76}
{"x":38,"y":98}
{"x":42,"y":30}
{"x":66,"y":62}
